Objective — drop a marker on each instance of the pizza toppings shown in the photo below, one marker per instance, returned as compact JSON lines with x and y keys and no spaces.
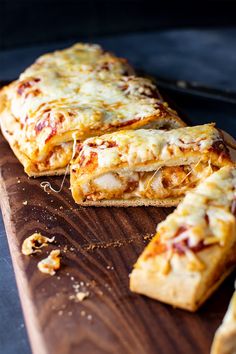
{"x":50,"y":264}
{"x":165,"y":182}
{"x":202,"y":220}
{"x":81,"y":89}
{"x":145,"y":164}
{"x":143,"y":146}
{"x":34,"y":243}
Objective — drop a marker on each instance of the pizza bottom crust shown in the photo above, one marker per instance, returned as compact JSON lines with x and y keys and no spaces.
{"x":184,"y":290}
{"x":167,"y":202}
{"x":224,"y":341}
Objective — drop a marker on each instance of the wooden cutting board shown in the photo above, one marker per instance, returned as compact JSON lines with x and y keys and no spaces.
{"x":99,"y":247}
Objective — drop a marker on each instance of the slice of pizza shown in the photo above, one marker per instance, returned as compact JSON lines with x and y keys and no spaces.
{"x":71,"y":95}
{"x":145,"y":167}
{"x":225,"y":337}
{"x":194,"y":249}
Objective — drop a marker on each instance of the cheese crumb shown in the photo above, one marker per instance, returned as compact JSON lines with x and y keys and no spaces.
{"x":50,"y":264}
{"x":33,"y":243}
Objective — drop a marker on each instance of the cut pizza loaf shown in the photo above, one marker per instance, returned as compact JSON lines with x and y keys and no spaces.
{"x":225,"y":337}
{"x":145,"y":167}
{"x":71,"y":95}
{"x":194,"y":249}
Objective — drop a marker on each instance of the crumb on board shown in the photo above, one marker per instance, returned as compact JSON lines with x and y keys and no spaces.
{"x":25,"y":202}
{"x":50,"y":264}
{"x":109,"y":267}
{"x":79,"y":296}
{"x":33,"y":243}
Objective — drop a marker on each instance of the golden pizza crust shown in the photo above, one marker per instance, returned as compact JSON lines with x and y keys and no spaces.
{"x":225,"y":337}
{"x":194,"y":248}
{"x":125,"y":156}
{"x":168,"y":202}
{"x":185,"y":290}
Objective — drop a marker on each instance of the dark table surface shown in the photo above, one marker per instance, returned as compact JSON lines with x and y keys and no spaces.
{"x":206,"y":56}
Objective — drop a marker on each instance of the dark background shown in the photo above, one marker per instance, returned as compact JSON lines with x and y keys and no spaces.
{"x":27,"y":22}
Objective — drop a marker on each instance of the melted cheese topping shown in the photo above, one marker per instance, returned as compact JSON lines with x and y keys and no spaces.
{"x":150,"y":164}
{"x":140,"y":146}
{"x":84,"y":90}
{"x":205,"y":217}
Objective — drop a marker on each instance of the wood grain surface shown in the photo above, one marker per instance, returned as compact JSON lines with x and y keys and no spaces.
{"x":98,"y":247}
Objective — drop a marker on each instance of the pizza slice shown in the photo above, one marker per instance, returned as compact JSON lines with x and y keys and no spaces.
{"x":145,"y":167}
{"x":225,"y":337}
{"x":71,"y":95}
{"x":194,"y":249}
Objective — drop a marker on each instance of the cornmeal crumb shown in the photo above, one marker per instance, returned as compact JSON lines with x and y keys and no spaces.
{"x":50,"y":264}
{"x":80,"y":296}
{"x":33,"y":243}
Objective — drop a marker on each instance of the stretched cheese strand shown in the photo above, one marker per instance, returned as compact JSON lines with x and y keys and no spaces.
{"x":47,"y":184}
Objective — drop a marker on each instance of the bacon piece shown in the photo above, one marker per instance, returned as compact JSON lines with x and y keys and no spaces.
{"x":233,"y":207}
{"x":26,"y":84}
